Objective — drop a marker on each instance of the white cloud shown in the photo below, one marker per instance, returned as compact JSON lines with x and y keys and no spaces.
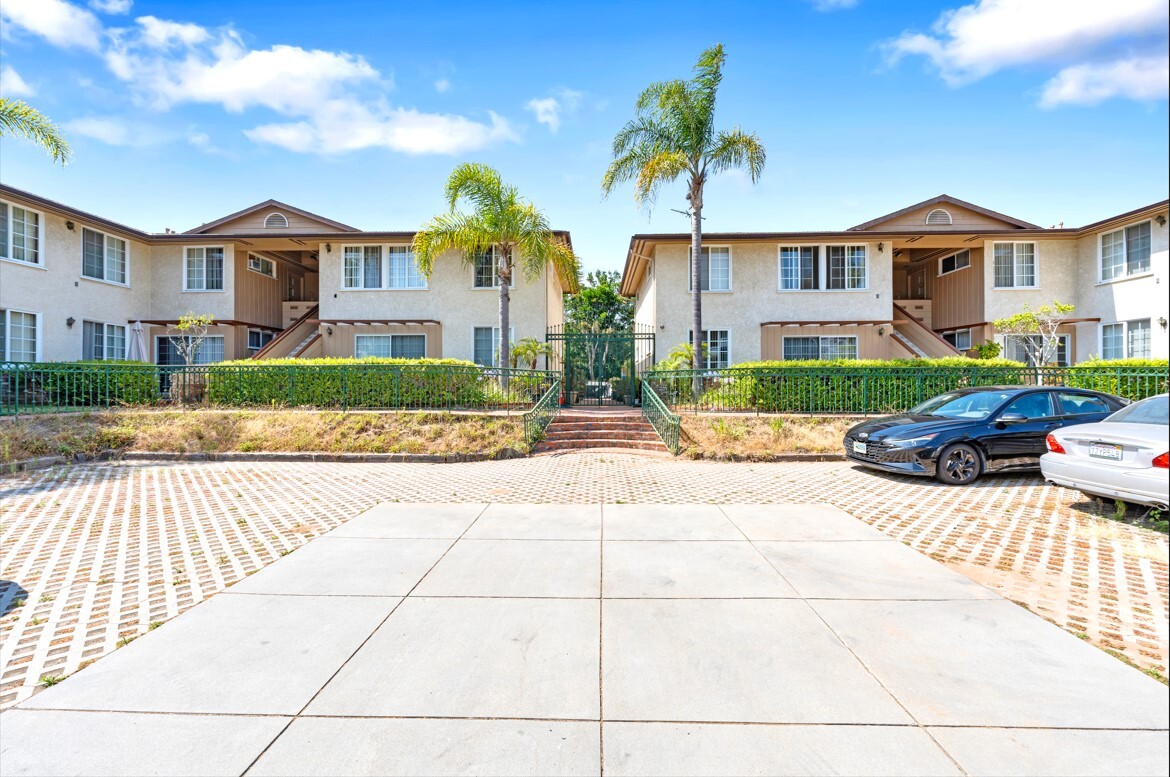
{"x":108,"y":130}
{"x":1083,"y":36}
{"x":60,"y":23}
{"x":1139,"y":78}
{"x":160,"y":33}
{"x":12,"y":85}
{"x":833,"y":5}
{"x":442,"y":85}
{"x":111,"y":6}
{"x":548,"y":110}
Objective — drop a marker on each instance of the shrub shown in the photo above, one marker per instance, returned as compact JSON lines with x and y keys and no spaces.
{"x":1129,"y":378}
{"x":97,"y":383}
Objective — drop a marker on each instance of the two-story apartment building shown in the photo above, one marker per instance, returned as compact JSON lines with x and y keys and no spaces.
{"x":279,"y":281}
{"x":927,"y":280}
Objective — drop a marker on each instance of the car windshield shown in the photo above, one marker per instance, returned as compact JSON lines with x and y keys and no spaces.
{"x":1155,"y":410}
{"x":975,"y":405}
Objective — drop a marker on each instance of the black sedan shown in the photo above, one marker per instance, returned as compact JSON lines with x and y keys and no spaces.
{"x":958,"y":436}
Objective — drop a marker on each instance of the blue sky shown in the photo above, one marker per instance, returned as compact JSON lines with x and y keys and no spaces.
{"x":182,"y":112}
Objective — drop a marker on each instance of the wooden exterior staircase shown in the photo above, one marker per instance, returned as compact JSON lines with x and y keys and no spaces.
{"x":294,"y":340}
{"x":605,"y":429}
{"x":918,"y":339}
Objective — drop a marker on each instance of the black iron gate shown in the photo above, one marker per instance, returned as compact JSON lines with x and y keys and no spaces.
{"x":601,"y":367}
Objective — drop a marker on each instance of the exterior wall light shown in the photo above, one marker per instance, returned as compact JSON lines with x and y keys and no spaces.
{"x":69,"y":322}
{"x":329,"y":330}
{"x":881,"y":247}
{"x":69,"y":225}
{"x":1160,"y":219}
{"x":328,"y":248}
{"x":1162,"y":322}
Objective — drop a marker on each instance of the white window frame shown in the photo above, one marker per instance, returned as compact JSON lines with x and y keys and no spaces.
{"x":388,"y":275}
{"x":818,"y":250}
{"x":7,"y":255}
{"x":105,"y":325}
{"x":1015,"y":269}
{"x":706,"y":363}
{"x":495,"y":274}
{"x":825,"y":266}
{"x":37,"y":329}
{"x":820,"y":344}
{"x":261,"y":261}
{"x":955,"y":255}
{"x":955,"y":333}
{"x":730,"y":269}
{"x":1125,"y":274}
{"x":383,"y":267}
{"x":159,"y":338}
{"x":495,"y":343}
{"x":391,"y":336}
{"x":261,"y":333}
{"x":106,"y":238}
{"x":204,"y":249}
{"x":1124,"y":337}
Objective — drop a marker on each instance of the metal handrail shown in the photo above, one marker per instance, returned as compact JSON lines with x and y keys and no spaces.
{"x":666,"y":423}
{"x":541,"y":415}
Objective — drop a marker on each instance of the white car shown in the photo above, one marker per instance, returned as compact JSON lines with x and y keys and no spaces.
{"x":1123,"y":457}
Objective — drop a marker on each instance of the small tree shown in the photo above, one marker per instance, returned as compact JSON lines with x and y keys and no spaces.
{"x":188,"y":335}
{"x":529,"y":350}
{"x":1036,"y":331}
{"x":600,"y":302}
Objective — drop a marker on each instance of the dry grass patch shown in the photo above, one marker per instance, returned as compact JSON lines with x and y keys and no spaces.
{"x":213,"y":431}
{"x":759,"y":438}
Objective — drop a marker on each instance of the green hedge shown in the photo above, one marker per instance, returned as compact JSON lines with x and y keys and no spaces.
{"x":1129,"y":378}
{"x":103,"y":383}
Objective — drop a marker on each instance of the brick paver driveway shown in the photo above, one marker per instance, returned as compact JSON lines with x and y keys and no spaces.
{"x":577,"y":639}
{"x":94,"y":555}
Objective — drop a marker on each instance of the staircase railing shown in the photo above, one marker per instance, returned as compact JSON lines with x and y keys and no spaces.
{"x":666,"y":423}
{"x":286,"y":341}
{"x":541,"y":415}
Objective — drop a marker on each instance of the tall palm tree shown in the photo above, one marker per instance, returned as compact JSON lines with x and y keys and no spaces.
{"x":20,"y":118}
{"x":501,"y":221}
{"x":673,"y":134}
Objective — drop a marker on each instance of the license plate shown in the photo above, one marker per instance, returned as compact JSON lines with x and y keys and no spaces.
{"x":1100,"y":450}
{"x":858,"y":447}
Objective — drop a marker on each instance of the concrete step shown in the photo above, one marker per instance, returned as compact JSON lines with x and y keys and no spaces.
{"x":554,"y":433}
{"x":575,"y":431}
{"x":588,"y":444}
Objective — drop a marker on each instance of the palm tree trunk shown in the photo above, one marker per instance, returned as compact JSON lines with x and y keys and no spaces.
{"x":696,"y":292}
{"x":505,"y":275}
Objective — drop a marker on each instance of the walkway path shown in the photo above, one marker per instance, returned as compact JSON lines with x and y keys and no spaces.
{"x":576,"y":639}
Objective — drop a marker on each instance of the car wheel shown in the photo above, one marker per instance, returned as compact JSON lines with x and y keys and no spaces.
{"x":959,"y":465}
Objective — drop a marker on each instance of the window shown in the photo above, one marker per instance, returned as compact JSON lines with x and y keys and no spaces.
{"x":210,"y":350}
{"x":954,"y":262}
{"x":485,"y":345}
{"x":1125,"y":252}
{"x":487,"y":271}
{"x":404,"y":272}
{"x":1023,"y":348}
{"x":20,"y":234}
{"x":960,"y":339}
{"x":363,"y":267}
{"x":103,"y":257}
{"x":1126,"y":340}
{"x":261,"y":265}
{"x":18,"y":336}
{"x":938,"y":217}
{"x":717,"y":348}
{"x":1081,"y":404}
{"x":204,"y":269}
{"x":1032,"y":406}
{"x":714,"y":269}
{"x":799,"y":268}
{"x":847,"y":267}
{"x":1015,"y":265}
{"x":258,"y":338}
{"x":102,"y":341}
{"x":275,"y":221}
{"x":831,"y":347}
{"x":390,"y":346}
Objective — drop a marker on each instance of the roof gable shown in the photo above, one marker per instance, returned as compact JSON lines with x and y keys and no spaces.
{"x":256,"y":219}
{"x":963,"y":215}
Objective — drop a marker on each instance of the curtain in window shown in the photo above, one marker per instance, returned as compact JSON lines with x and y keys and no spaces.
{"x":353,"y":268}
{"x":838,"y":347}
{"x":404,"y":272}
{"x":1005,"y":274}
{"x":25,"y":236}
{"x":372,"y":267}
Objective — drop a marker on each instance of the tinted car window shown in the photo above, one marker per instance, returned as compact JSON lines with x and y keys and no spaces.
{"x":1032,"y":406}
{"x":1155,"y":410}
{"x":1082,"y":404}
{"x":975,"y":405}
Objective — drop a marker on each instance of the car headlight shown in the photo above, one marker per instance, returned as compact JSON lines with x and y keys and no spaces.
{"x":914,"y":442}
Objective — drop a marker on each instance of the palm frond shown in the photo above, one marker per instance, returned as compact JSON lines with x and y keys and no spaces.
{"x":663,"y":167}
{"x":460,"y":232}
{"x":737,"y":150}
{"x":475,"y":182}
{"x":20,"y":118}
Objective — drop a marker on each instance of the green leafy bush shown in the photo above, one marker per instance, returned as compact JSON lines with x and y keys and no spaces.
{"x":1129,"y":378}
{"x":95,"y":383}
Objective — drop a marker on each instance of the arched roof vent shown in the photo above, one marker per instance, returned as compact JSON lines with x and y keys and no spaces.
{"x":280,"y":221}
{"x":938,"y":217}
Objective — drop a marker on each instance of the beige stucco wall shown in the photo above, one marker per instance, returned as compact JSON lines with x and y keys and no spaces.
{"x":56,"y":290}
{"x":755,"y":297}
{"x":168,"y":301}
{"x":1056,"y":279}
{"x":449,"y":298}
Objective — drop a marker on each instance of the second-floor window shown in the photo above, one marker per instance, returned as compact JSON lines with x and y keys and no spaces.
{"x":1015,"y":265}
{"x":363,"y":267}
{"x":103,"y":257}
{"x":714,"y":269}
{"x":799,"y":267}
{"x":259,"y":264}
{"x":847,"y":267}
{"x":486,"y":271}
{"x":371,"y":267}
{"x":204,"y":269}
{"x":404,"y":272}
{"x":1125,"y":252}
{"x":102,"y":341}
{"x":20,"y":234}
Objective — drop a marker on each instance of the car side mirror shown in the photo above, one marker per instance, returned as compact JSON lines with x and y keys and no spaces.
{"x":1013,"y":418}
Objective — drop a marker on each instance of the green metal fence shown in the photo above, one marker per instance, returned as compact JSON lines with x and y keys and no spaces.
{"x":875,"y":389}
{"x":666,"y":423}
{"x":541,"y":415}
{"x":27,"y":388}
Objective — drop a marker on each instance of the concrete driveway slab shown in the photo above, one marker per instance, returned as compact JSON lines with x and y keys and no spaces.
{"x":245,"y":654}
{"x":1055,"y":752}
{"x":667,"y":522}
{"x":538,"y":522}
{"x":360,"y":747}
{"x":53,"y":742}
{"x":863,"y":570}
{"x":399,"y":520}
{"x":673,"y":569}
{"x":993,"y":663}
{"x":799,"y":522}
{"x":761,"y":661}
{"x":524,"y":568}
{"x":523,"y":658}
{"x":348,"y":567}
{"x":670,"y":749}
